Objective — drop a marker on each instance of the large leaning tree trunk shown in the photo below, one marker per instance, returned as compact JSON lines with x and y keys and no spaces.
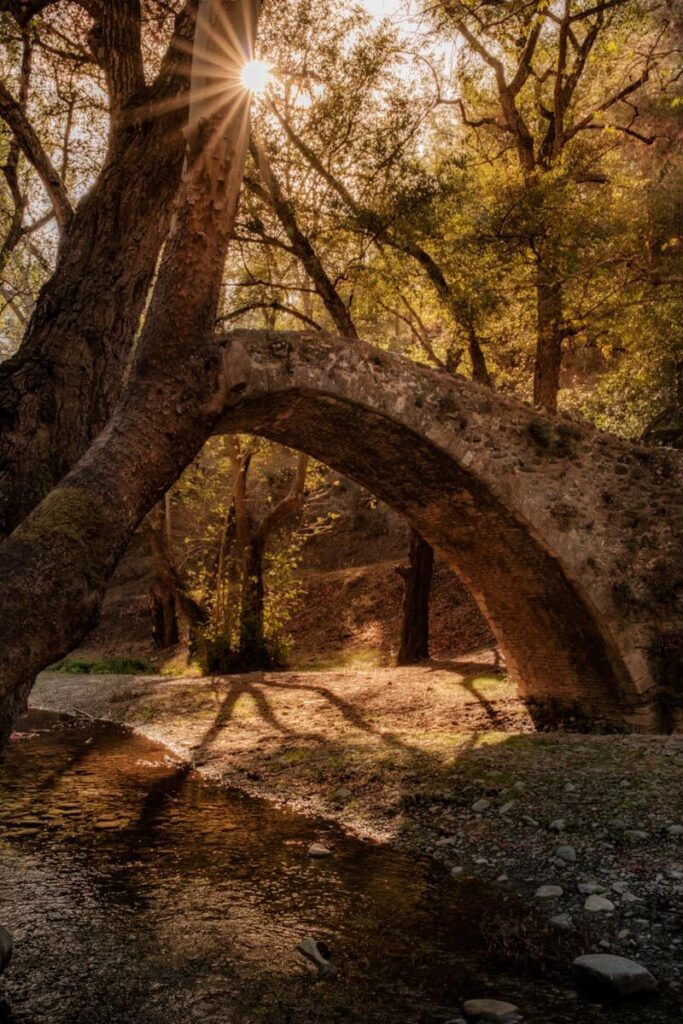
{"x":56,"y":564}
{"x":414,"y":645}
{"x":58,"y":391}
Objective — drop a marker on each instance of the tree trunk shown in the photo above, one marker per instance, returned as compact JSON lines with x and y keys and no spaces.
{"x":163,"y":604}
{"x":56,"y":564}
{"x":252,"y":643}
{"x":480,"y":371}
{"x":252,"y":639}
{"x":164,"y":614}
{"x":550,"y":336}
{"x":414,"y":646}
{"x":58,"y":391}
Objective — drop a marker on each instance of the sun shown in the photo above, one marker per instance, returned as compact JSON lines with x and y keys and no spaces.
{"x":256,"y":76}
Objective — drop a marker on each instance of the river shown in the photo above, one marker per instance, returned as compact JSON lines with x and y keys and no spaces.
{"x":137,"y":893}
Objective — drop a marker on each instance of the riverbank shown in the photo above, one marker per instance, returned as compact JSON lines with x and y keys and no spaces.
{"x":443,"y":760}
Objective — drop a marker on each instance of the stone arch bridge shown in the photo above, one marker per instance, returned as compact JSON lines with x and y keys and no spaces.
{"x":568,"y":538}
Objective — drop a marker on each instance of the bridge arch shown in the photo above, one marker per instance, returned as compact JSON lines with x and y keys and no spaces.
{"x":545,"y":521}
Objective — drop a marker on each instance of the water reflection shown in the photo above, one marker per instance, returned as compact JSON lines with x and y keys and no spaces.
{"x":138,"y":893}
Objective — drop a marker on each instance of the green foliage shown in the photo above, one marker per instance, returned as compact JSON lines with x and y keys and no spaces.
{"x":213,"y":562}
{"x":119,"y":666}
{"x":217,"y":655}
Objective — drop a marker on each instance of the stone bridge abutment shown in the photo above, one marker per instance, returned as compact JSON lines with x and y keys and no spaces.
{"x":568,"y":538}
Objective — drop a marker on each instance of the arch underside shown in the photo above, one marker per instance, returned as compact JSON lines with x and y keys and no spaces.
{"x":555,"y":646}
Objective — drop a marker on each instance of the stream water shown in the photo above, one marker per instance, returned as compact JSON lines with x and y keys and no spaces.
{"x":139,"y":894}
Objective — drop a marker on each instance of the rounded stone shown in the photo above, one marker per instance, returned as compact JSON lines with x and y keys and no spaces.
{"x":488,"y":1009}
{"x":617,"y":973}
{"x":318,"y":850}
{"x":562,"y":921}
{"x":548,"y":892}
{"x":566,"y":853}
{"x":598,"y":904}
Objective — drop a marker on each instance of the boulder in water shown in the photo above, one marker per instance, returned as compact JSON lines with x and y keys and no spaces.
{"x":616,"y":973}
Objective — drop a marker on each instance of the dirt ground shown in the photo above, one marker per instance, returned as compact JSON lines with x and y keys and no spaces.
{"x":407,"y":756}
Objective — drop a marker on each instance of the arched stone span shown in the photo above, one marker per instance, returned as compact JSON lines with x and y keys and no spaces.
{"x":569,"y":538}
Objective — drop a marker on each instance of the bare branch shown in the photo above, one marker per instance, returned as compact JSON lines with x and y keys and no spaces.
{"x":32,"y":148}
{"x":279,"y":307}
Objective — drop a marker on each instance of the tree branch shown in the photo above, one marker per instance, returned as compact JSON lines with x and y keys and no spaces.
{"x":278,"y":306}
{"x":32,"y":148}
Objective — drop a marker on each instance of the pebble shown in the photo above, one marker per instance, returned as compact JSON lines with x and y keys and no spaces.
{"x":567,"y":853}
{"x":318,"y":954}
{"x":598,"y":904}
{"x":625,"y":977}
{"x":559,"y":825}
{"x":507,"y":807}
{"x":548,"y":892}
{"x":488,"y":1009}
{"x":318,"y":850}
{"x":635,"y":833}
{"x":457,"y":870}
{"x":563,"y":921}
{"x":570,"y":788}
{"x":481,"y":805}
{"x":675,"y":830}
{"x":588,"y":888}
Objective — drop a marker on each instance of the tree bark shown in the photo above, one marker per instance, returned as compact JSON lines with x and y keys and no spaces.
{"x":163,"y":604}
{"x":480,"y":371}
{"x":414,"y":646}
{"x":58,"y":391}
{"x":550,"y":335}
{"x":252,"y":639}
{"x":56,"y":564}
{"x":164,"y":615}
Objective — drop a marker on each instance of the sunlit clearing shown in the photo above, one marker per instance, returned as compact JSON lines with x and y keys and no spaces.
{"x":256,"y":76}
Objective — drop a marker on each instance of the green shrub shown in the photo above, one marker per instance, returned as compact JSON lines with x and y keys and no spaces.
{"x":123,"y":666}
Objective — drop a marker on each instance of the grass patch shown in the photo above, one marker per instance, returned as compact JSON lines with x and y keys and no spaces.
{"x":370,"y":657}
{"x":107,"y":666}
